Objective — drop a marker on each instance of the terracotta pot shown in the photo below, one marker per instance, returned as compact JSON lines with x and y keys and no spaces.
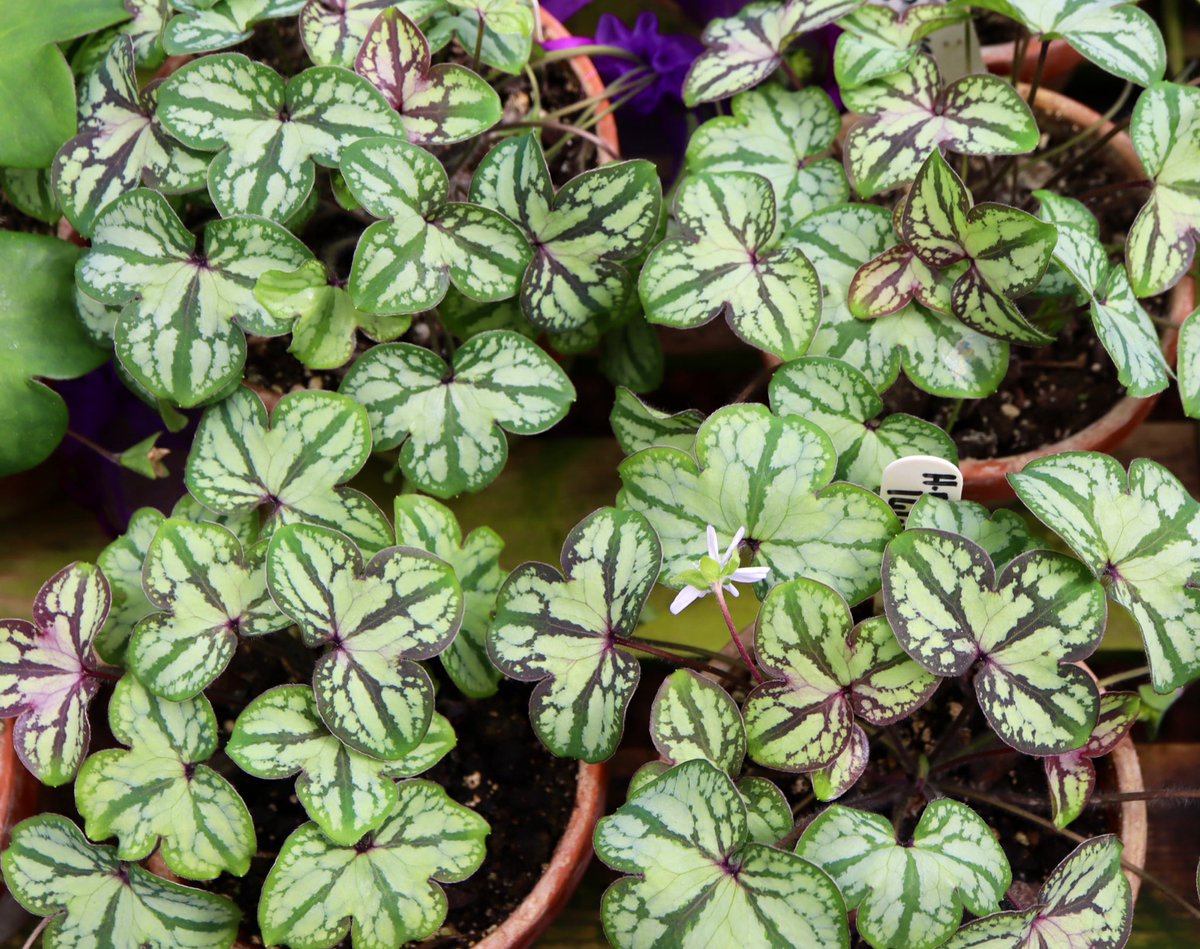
{"x":19,"y":789}
{"x":593,"y":85}
{"x":1133,"y":822}
{"x":1061,"y":61}
{"x":987,"y":479}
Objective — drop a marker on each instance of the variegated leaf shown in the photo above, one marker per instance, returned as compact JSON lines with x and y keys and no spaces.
{"x":120,"y":144}
{"x":631,"y":354}
{"x":348,"y":794}
{"x":692,"y":717}
{"x":768,"y":813}
{"x":897,"y":277}
{"x":333,"y":33}
{"x":449,"y":421}
{"x":1028,"y":626}
{"x":1085,"y":903}
{"x":570,"y":632}
{"x":267,"y":133}
{"x":1002,"y":533}
{"x":744,"y":49}
{"x":1188,"y":365}
{"x":781,"y":135}
{"x":636,"y":425}
{"x":771,"y":476}
{"x":580,"y":235}
{"x":425,"y":523}
{"x":840,"y":775}
{"x":726,"y":261}
{"x":96,"y":900}
{"x":1072,"y":776}
{"x":1165,"y":129}
{"x":908,"y":115}
{"x":209,"y":595}
{"x":697,"y":877}
{"x":31,"y":191}
{"x":376,"y":619}
{"x":292,"y":466}
{"x":324,"y":320}
{"x":938,"y":353}
{"x":201,"y":26}
{"x":385,"y":886}
{"x":1138,"y":534}
{"x":877,"y":40}
{"x":910,"y":896}
{"x":438,"y":104}
{"x":1124,"y":328}
{"x":844,"y":404}
{"x":159,"y":793}
{"x":405,"y":263}
{"x":176,"y":335}
{"x":823,"y":671}
{"x":507,"y":28}
{"x":46,"y":681}
{"x":1113,"y":34}
{"x":144,"y":28}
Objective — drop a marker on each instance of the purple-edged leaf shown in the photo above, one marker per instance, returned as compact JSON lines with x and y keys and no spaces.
{"x":1072,"y":776}
{"x":842,"y":773}
{"x":693,"y":717}
{"x":44,"y":678}
{"x":201,"y":26}
{"x":439,"y":104}
{"x":333,"y":30}
{"x":877,"y":40}
{"x":890,"y":282}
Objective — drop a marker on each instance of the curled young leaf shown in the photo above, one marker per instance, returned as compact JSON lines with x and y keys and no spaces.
{"x":97,"y":900}
{"x":46,"y":681}
{"x":728,"y":262}
{"x":1027,"y":627}
{"x":697,"y":878}
{"x":636,"y":425}
{"x":569,"y":632}
{"x":292,"y":465}
{"x":877,"y":40}
{"x":385,"y":886}
{"x":770,"y":476}
{"x":910,"y":897}
{"x":161,"y":791}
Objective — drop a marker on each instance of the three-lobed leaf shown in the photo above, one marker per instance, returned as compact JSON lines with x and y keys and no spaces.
{"x":1003,"y":533}
{"x":877,"y":40}
{"x":201,"y":26}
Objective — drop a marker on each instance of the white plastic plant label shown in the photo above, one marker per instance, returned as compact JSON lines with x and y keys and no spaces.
{"x":905,"y":480}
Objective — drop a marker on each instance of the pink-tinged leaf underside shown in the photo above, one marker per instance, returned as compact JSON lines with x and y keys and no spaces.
{"x":1072,"y":777}
{"x":44,"y":680}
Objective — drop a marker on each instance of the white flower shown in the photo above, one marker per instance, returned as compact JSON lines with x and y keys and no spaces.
{"x":714,"y":570}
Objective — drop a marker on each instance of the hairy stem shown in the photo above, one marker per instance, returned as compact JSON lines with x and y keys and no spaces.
{"x":734,"y":635}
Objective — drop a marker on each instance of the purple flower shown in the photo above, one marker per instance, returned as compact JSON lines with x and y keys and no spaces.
{"x":563,"y":10}
{"x":667,"y":57}
{"x":701,"y":11}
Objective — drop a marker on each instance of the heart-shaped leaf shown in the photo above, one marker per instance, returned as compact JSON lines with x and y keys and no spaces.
{"x":314,"y":441}
{"x":438,"y":104}
{"x":744,"y":49}
{"x":333,"y":33}
{"x":780,"y":135}
{"x":45,"y":677}
{"x":377,"y":619}
{"x":937,"y":353}
{"x":570,"y":632}
{"x":96,"y":900}
{"x":324,"y":320}
{"x":201,"y":26}
{"x":385,"y":886}
{"x":910,"y":897}
{"x":1072,"y":777}
{"x":770,"y":476}
{"x":840,"y":399}
{"x":506,"y":26}
{"x":1165,"y":130}
{"x":693,"y":717}
{"x":176,"y":335}
{"x":120,"y":144}
{"x":1123,"y":326}
{"x":1085,"y":903}
{"x":726,"y":261}
{"x":1002,"y":533}
{"x":698,"y":878}
{"x":267,"y":133}
{"x":450,"y":420}
{"x":423,"y":522}
{"x":348,"y":794}
{"x":1138,"y":535}
{"x":877,"y":41}
{"x":1044,"y":612}
{"x":822,"y":672}
{"x":637,"y":425}
{"x":908,"y":115}
{"x":1113,"y":34}
{"x":580,"y":234}
{"x":160,"y":790}
{"x":405,"y":263}
{"x":210,"y":594}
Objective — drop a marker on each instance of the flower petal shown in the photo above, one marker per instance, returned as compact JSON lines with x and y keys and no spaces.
{"x":733,"y":545}
{"x":713,"y":550}
{"x":685,"y":598}
{"x":749,"y":574}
